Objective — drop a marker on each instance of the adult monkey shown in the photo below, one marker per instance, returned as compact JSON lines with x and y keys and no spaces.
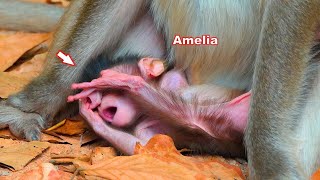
{"x":285,"y":116}
{"x":283,"y":110}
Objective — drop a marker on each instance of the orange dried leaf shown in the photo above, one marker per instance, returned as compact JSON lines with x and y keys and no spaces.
{"x":88,"y":137}
{"x":56,"y":126}
{"x":13,"y":81}
{"x":159,"y":143}
{"x":45,"y":171}
{"x":37,"y":1}
{"x":137,"y":167}
{"x":159,"y":159}
{"x":70,"y":127}
{"x":6,"y":134}
{"x":33,"y":66}
{"x":64,"y":3}
{"x":100,"y":154}
{"x":316,"y":175}
{"x":10,"y":83}
{"x":13,"y":46}
{"x":25,"y":153}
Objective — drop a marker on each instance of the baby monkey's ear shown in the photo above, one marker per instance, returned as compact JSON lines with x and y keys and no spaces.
{"x":151,"y":67}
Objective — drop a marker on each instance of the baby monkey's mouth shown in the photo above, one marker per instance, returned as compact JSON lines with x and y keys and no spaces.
{"x":109,"y":113}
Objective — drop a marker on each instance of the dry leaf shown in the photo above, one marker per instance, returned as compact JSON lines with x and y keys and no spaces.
{"x":13,"y":81}
{"x":64,"y":3}
{"x":159,"y":159}
{"x":69,"y":127}
{"x":17,"y":156}
{"x":36,"y":1}
{"x":39,"y":49}
{"x":164,"y":145}
{"x":55,"y":149}
{"x":101,"y":154}
{"x":46,"y":171}
{"x":33,"y":66}
{"x":12,"y":46}
{"x":88,"y":137}
{"x":136,"y":167}
{"x":159,"y":143}
{"x":54,"y":138}
{"x":6,"y":134}
{"x":10,"y":83}
{"x":316,"y":175}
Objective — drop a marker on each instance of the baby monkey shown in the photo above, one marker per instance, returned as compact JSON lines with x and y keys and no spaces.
{"x":112,"y":105}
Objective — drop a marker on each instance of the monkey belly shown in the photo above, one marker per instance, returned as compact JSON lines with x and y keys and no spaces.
{"x":228,"y":64}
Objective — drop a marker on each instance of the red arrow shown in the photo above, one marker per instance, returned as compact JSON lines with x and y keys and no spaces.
{"x":65,"y":58}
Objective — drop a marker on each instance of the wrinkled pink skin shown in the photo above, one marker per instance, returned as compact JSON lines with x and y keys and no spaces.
{"x":238,"y":110}
{"x":119,"y":110}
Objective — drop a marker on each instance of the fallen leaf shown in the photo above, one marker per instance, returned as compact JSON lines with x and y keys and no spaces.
{"x":39,"y":49}
{"x":36,"y":1}
{"x":11,"y":83}
{"x":46,"y":171}
{"x":4,"y":173}
{"x":64,"y":3}
{"x":6,"y":134}
{"x":59,"y":124}
{"x":89,"y":137}
{"x":9,"y":142}
{"x":101,"y":154}
{"x":54,"y":138}
{"x":12,"y":46}
{"x":55,"y":149}
{"x":164,"y":144}
{"x":33,"y":66}
{"x":159,"y":143}
{"x":159,"y":159}
{"x":67,"y":168}
{"x":69,"y":127}
{"x":316,"y":175}
{"x":17,"y":156}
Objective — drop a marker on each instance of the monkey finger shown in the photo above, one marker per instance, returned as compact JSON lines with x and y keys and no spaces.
{"x":83,"y":85}
{"x":116,"y":81}
{"x":91,"y":117}
{"x":108,"y":72}
{"x":94,"y":99}
{"x":115,"y":75}
{"x":101,"y":82}
{"x":83,"y":94}
{"x":85,"y":111}
{"x":119,"y":80}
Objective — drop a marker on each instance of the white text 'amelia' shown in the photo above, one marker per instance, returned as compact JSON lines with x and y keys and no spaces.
{"x":188,"y":40}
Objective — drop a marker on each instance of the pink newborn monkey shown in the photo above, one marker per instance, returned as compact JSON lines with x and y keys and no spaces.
{"x":146,"y":104}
